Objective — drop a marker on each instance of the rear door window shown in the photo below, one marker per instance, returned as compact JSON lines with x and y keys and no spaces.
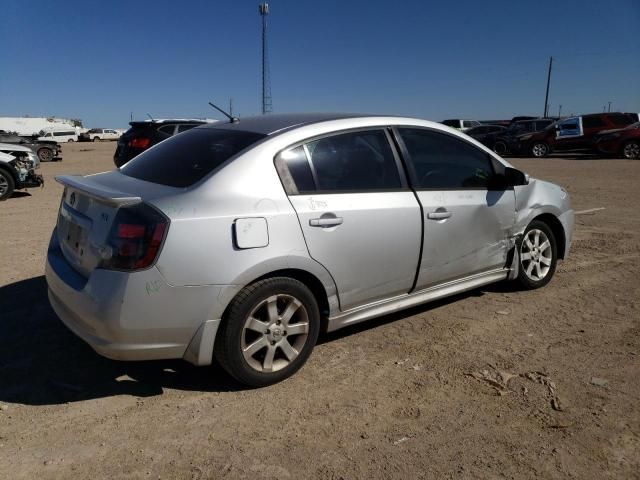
{"x":183,"y":160}
{"x":443,"y":162}
{"x":350,"y":162}
{"x":593,"y":122}
{"x":356,"y":161}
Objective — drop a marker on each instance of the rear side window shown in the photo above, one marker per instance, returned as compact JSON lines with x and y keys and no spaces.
{"x":185,"y":127}
{"x":621,"y":120}
{"x":167,"y":130}
{"x":441,"y":161}
{"x":185,"y":159}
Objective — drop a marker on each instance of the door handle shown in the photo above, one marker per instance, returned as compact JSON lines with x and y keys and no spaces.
{"x":325,"y":221}
{"x":438,"y":215}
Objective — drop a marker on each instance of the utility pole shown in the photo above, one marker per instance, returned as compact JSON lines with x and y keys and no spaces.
{"x":609,"y":107}
{"x":559,"y":111}
{"x":546,"y":96}
{"x":231,"y":106}
{"x":263,"y":8}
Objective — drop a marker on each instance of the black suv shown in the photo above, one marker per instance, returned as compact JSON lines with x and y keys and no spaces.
{"x":146,"y":133}
{"x":45,"y":149}
{"x":509,"y":142}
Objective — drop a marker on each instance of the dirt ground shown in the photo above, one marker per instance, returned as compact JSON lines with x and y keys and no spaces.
{"x":428,"y":393}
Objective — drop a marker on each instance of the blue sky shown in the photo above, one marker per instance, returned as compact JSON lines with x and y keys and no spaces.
{"x":99,"y":61}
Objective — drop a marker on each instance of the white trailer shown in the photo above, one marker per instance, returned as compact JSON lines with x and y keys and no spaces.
{"x":34,"y":125}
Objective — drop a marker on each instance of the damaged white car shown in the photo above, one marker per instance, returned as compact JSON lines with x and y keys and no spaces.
{"x":17,"y":169}
{"x":240,"y":241}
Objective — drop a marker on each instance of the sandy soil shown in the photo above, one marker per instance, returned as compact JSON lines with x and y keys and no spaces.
{"x":428,"y":393}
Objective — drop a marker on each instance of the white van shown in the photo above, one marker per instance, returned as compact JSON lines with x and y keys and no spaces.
{"x":60,"y":136}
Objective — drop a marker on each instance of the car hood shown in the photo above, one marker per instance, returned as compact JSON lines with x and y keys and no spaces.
{"x":14,"y":147}
{"x":6,"y":158}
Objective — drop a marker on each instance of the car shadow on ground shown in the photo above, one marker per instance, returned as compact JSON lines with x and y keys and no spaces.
{"x":43,"y":363}
{"x":17,"y":194}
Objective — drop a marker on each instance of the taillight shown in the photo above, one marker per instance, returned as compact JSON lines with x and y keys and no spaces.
{"x":140,"y":142}
{"x":135,"y":238}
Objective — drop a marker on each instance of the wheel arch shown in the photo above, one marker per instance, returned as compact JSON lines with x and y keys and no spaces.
{"x":557,"y":229}
{"x":7,"y":167}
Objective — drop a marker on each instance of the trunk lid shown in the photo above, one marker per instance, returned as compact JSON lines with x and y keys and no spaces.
{"x":87,"y":211}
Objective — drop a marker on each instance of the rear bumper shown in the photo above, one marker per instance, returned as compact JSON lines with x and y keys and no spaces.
{"x":133,"y":316}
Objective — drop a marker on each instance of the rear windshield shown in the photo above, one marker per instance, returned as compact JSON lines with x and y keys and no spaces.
{"x":185,"y":159}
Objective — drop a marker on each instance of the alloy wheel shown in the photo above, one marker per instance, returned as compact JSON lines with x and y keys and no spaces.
{"x":275,"y":333}
{"x":631,"y":151}
{"x":536,"y":254}
{"x":539,"y":150}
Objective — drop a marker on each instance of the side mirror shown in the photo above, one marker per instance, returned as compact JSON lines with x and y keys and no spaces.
{"x":514,"y":177}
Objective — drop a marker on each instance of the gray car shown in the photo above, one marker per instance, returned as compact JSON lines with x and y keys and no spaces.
{"x":241,"y":241}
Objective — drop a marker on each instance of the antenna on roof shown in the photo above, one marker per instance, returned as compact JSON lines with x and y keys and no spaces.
{"x":150,"y":117}
{"x":231,"y":118}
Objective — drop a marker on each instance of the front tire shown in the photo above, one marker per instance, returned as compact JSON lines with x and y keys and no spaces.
{"x":539,"y":149}
{"x":45,"y":154}
{"x":631,"y":150}
{"x":96,"y":139}
{"x":538,"y":254}
{"x":268,"y":332}
{"x":500,"y":148}
{"x":7,"y":185}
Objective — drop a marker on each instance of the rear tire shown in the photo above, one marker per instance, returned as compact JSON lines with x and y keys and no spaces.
{"x":70,"y":140}
{"x":631,"y":150}
{"x":7,"y":185}
{"x":96,"y":139}
{"x":538,"y":254}
{"x":268,"y":332}
{"x":539,"y":150}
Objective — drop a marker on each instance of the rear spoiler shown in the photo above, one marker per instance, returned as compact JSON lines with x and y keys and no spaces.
{"x":96,"y":191}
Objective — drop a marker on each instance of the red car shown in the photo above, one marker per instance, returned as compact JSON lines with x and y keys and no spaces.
{"x":622,"y":141}
{"x":573,"y":133}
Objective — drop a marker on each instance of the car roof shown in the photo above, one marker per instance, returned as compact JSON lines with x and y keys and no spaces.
{"x":173,"y":120}
{"x":272,"y":123}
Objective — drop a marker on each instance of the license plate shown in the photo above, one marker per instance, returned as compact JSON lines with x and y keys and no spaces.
{"x":73,"y":235}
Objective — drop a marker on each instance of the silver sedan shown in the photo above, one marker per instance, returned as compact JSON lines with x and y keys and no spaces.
{"x":241,"y":241}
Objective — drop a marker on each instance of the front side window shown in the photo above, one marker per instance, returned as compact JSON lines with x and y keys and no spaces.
{"x":443,"y":162}
{"x":185,"y":159}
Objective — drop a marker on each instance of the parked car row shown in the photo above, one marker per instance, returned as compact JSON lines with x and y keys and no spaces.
{"x":612,"y":133}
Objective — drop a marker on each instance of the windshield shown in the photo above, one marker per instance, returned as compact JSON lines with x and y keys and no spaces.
{"x":183,"y":160}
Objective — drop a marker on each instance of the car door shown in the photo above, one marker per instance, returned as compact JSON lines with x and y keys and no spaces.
{"x":359,"y":218}
{"x":467,"y":222}
{"x":568,"y":133}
